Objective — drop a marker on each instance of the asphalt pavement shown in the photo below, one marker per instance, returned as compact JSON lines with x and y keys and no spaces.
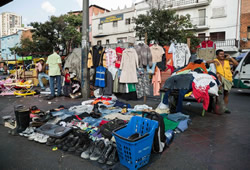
{"x":211,"y":142}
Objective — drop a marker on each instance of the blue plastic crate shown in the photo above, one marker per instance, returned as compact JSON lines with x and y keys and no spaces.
{"x":135,"y":153}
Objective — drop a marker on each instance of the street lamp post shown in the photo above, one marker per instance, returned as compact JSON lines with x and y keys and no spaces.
{"x":85,"y":50}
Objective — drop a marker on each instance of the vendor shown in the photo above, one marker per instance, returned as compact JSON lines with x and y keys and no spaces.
{"x":224,"y":74}
{"x":41,"y":73}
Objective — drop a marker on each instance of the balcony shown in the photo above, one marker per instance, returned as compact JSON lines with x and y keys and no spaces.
{"x":200,"y":23}
{"x":184,"y":4}
{"x":229,"y":45}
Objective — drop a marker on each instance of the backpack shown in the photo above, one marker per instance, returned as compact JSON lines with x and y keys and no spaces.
{"x":107,"y":129}
{"x":159,"y":138}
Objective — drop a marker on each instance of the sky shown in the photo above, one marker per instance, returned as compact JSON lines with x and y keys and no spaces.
{"x":40,"y":10}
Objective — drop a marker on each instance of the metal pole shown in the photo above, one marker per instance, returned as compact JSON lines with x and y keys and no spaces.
{"x":85,"y":50}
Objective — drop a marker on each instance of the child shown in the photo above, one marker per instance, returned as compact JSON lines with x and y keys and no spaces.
{"x":67,"y":86}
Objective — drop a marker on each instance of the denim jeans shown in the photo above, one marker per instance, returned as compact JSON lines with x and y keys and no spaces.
{"x":40,"y":76}
{"x":58,"y":82}
{"x":63,"y":114}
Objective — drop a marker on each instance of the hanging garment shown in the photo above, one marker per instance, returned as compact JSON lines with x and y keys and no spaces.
{"x":143,"y":85}
{"x":100,"y":76}
{"x":192,"y":66}
{"x":162,"y":65}
{"x":107,"y":91}
{"x":110,"y":57}
{"x":156,"y":81}
{"x":201,"y":95}
{"x":169,"y":56}
{"x":131,"y":87}
{"x":157,"y":52}
{"x":152,"y":69}
{"x":128,"y":66}
{"x":144,"y":55}
{"x":207,"y":44}
{"x":96,"y":57}
{"x":113,"y":71}
{"x":206,"y":50}
{"x":181,"y":54}
{"x":119,"y":51}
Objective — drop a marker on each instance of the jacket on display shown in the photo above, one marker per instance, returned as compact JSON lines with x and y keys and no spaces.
{"x":144,"y":55}
{"x":96,"y":57}
{"x":129,"y":63}
{"x":181,"y":54}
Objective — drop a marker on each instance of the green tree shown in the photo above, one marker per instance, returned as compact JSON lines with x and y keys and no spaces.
{"x":165,"y":25}
{"x":59,"y":31}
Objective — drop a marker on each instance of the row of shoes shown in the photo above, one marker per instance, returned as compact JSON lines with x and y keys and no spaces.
{"x":103,"y":151}
{"x":30,"y":133}
{"x":74,"y":143}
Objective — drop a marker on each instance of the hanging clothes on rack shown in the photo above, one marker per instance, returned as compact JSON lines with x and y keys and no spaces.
{"x":143,"y":85}
{"x":181,"y":54}
{"x":156,"y":81}
{"x":144,"y":55}
{"x":119,"y":51}
{"x":169,"y":56}
{"x":157,"y":52}
{"x":129,"y":63}
{"x":110,"y":57}
{"x":96,"y":57}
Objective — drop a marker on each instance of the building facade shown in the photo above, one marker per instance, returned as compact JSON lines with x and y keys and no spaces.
{"x":93,"y":10}
{"x":8,"y":42}
{"x":245,"y":25}
{"x":9,"y":23}
{"x":111,"y":27}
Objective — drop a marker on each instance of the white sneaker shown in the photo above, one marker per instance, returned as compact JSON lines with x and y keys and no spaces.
{"x":33,"y":136}
{"x":43,"y":139}
{"x":38,"y":137}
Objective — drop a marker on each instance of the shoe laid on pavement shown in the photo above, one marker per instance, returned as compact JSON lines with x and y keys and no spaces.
{"x":43,"y":139}
{"x":50,"y":97}
{"x":107,"y":151}
{"x":113,"y":157}
{"x":97,"y":152}
{"x":227,"y":111}
{"x":33,"y":136}
{"x":86,"y":154}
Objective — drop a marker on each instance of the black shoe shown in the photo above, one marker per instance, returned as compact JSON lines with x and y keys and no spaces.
{"x":86,"y":154}
{"x":227,"y":111}
{"x":95,"y":112}
{"x":66,"y":141}
{"x":107,"y":151}
{"x":97,"y":151}
{"x":50,"y":141}
{"x":50,"y":97}
{"x":113,"y":157}
{"x":22,"y":118}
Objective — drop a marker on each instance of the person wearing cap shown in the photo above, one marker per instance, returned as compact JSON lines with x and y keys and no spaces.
{"x":40,"y":69}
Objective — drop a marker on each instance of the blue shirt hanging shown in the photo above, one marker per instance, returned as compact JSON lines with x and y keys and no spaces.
{"x":100,"y":76}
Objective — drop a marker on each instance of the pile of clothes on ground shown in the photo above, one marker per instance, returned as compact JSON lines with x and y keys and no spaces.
{"x":86,"y":129}
{"x":197,"y":79}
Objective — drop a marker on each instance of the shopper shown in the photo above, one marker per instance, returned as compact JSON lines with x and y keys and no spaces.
{"x":41,"y":73}
{"x":67,"y":85}
{"x":223,"y":69}
{"x":55,"y":70}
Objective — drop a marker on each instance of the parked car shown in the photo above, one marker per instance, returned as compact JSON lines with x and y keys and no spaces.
{"x":241,"y":77}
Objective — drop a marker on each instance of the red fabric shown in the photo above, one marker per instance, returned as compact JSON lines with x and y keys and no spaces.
{"x":119,"y":51}
{"x":205,"y":44}
{"x":78,"y":117}
{"x":103,"y":122}
{"x":171,"y":68}
{"x":201,"y":95}
{"x":67,"y":78}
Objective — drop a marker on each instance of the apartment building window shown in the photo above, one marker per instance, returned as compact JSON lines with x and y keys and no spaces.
{"x":115,"y":24}
{"x":100,"y":26}
{"x":127,"y":21}
{"x":218,"y":36}
{"x":202,"y":17}
{"x":248,"y":32}
{"x":107,"y":41}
